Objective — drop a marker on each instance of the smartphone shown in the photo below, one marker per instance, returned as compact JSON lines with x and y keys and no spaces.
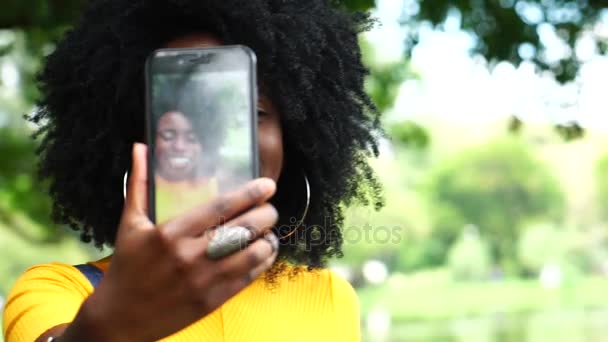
{"x":201,"y":126}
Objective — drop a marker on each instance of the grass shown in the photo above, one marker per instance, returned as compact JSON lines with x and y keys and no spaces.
{"x":431,"y":295}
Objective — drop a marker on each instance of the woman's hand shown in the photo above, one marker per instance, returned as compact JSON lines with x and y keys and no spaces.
{"x":159,"y":280}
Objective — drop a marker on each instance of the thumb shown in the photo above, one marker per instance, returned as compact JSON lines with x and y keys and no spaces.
{"x":137,"y":197}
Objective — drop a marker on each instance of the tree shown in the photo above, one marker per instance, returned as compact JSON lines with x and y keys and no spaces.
{"x":506,"y":30}
{"x":468,"y":258}
{"x":517,"y":30}
{"x":510,"y":30}
{"x":499,"y":188}
{"x":501,"y":26}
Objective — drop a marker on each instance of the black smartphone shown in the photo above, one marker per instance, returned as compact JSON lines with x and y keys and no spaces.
{"x":201,"y":126}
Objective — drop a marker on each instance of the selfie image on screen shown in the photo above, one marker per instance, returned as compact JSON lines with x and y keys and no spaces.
{"x":202,"y":142}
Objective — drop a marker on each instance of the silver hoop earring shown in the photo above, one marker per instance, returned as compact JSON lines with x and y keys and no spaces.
{"x":301,"y":221}
{"x":124,"y":184}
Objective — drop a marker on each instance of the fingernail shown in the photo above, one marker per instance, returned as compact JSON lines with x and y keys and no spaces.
{"x":266,"y":185}
{"x":273,"y":240}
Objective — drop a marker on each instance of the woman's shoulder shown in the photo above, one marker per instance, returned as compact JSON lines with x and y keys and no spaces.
{"x":317,"y":282}
{"x":319,"y":297}
{"x":55,"y":278}
{"x":44,"y":296}
{"x":302,"y":273}
{"x":49,"y":274}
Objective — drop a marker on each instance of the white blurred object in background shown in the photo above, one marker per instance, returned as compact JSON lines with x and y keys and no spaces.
{"x":343,"y":271}
{"x":374,"y":271}
{"x":378,"y":324}
{"x":550,"y":276}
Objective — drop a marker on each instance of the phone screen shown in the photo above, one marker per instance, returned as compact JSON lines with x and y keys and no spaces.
{"x":202,"y":120}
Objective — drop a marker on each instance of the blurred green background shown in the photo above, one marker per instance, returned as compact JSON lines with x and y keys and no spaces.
{"x":495,"y":170}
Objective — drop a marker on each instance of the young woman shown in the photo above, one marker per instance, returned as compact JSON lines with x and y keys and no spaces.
{"x":180,"y":183}
{"x":317,"y":128}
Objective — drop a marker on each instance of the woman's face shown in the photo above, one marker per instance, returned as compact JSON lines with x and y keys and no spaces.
{"x":178,"y":149}
{"x":270,"y":135}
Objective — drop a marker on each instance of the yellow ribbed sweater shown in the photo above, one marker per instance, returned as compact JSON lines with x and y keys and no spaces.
{"x":312,"y":306}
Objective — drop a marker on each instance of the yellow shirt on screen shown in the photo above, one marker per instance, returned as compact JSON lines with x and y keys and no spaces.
{"x":174,"y":198}
{"x":312,"y":306}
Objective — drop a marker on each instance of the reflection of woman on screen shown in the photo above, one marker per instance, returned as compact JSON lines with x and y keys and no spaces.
{"x":180,"y":182}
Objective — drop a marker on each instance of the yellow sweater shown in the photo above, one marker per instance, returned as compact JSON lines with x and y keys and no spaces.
{"x":312,"y":306}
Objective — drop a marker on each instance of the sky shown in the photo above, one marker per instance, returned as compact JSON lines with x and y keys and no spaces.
{"x":453,"y":85}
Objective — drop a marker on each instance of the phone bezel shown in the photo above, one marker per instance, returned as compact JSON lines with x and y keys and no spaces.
{"x":149,"y":116}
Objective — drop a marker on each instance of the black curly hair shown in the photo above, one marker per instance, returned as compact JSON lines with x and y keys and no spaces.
{"x":91,"y":109}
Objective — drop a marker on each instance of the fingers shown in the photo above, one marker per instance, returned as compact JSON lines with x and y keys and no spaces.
{"x":261,"y":268}
{"x":203,"y":217}
{"x":138,"y":181}
{"x":248,"y":264}
{"x":258,"y":220}
{"x":135,"y":211}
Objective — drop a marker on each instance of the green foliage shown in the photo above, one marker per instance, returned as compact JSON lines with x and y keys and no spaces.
{"x":24,"y":48}
{"x":601,"y":176}
{"x":410,"y":134}
{"x":39,"y":13}
{"x":24,"y":205}
{"x":23,"y":253}
{"x":570,"y":131}
{"x":468,"y":258}
{"x":422,"y":253}
{"x":432,"y":249}
{"x":575,"y":251}
{"x":371,"y":235}
{"x":432,"y":295}
{"x":502,"y":26}
{"x":497,"y":187}
{"x":20,"y":192}
{"x":357,"y":5}
{"x":541,"y":245}
{"x":384,"y":82}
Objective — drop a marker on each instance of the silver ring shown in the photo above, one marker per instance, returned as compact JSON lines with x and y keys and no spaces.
{"x":227,"y":240}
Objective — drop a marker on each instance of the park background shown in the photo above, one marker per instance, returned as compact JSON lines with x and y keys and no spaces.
{"x":495,"y":168}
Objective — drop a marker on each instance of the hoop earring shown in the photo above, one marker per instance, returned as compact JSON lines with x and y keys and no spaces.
{"x":124,"y":184}
{"x":305,"y":208}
